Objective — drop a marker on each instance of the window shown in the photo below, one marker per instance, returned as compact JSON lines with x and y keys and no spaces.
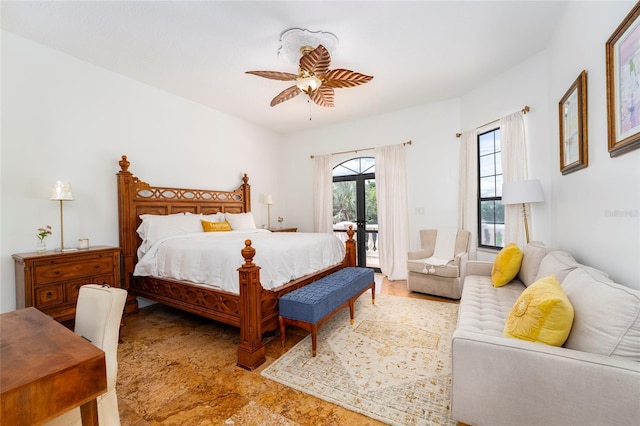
{"x":490,"y":209}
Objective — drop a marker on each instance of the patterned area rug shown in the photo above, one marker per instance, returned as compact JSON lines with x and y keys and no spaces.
{"x":393,"y":364}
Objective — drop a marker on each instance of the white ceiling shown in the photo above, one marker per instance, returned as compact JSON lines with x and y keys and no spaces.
{"x":418,"y":51}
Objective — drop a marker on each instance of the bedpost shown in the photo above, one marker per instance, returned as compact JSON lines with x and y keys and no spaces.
{"x":251,"y":351}
{"x":127,"y":246}
{"x":246,"y":193}
{"x":350,"y":256}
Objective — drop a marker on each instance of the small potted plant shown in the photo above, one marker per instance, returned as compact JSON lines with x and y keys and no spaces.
{"x":280,"y":220}
{"x":42,"y":234}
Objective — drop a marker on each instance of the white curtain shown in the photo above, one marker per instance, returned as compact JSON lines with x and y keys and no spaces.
{"x":468,"y":191}
{"x":514,"y":168}
{"x":322,"y":194}
{"x":393,"y":229}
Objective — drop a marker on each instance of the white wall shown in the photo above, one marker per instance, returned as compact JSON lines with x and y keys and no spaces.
{"x":432,"y":162}
{"x":596,"y":211}
{"x":579,"y":212}
{"x":66,"y":119}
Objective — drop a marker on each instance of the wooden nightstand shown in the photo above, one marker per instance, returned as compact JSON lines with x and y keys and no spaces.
{"x":50,"y":281}
{"x":283,"y":229}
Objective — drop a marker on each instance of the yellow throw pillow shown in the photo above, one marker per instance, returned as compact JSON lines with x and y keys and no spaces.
{"x":542,"y":313}
{"x":506,"y":265}
{"x":215,"y":226}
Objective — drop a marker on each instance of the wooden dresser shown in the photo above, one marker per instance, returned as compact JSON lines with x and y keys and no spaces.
{"x":50,"y":281}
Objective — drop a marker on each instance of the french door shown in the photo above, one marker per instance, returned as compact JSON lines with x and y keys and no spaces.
{"x":355,"y":204}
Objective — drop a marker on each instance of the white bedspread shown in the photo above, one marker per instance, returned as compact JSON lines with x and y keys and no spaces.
{"x":212,"y":258}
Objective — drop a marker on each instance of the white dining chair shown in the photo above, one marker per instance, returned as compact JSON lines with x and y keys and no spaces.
{"x":99,"y":311}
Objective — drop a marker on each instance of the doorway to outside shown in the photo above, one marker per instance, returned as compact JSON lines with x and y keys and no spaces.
{"x":355,"y":204}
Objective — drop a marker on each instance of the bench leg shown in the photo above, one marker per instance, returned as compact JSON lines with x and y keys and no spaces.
{"x":351,"y":309}
{"x":314,"y":339}
{"x":281,"y":322}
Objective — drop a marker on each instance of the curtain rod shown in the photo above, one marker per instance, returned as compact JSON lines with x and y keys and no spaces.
{"x":361,"y":149}
{"x":524,"y":110}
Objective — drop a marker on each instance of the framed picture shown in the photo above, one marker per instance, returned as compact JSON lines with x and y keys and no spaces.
{"x":623,"y":85}
{"x":572,"y":108}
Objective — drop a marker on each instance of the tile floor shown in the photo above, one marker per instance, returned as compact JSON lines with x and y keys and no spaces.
{"x":179,"y":369}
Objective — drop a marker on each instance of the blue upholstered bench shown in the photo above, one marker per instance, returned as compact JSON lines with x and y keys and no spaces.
{"x":309,"y":307}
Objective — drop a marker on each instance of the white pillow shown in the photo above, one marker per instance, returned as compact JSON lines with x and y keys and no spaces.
{"x":607,"y":315}
{"x":148,"y":221}
{"x":241,"y":220}
{"x":559,"y":263}
{"x":218,"y":217}
{"x":532,"y":255}
{"x":156,"y":227}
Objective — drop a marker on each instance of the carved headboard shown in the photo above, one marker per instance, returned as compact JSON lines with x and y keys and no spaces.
{"x":136,"y":197}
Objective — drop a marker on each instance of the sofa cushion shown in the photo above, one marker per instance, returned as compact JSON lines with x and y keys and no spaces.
{"x":532,"y":255}
{"x":542,"y":313}
{"x":483,"y":307}
{"x":506,"y":265}
{"x":607,"y":315}
{"x":597,"y":273}
{"x":558,"y":263}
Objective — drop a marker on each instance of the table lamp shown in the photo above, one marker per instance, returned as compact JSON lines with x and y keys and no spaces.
{"x":61,"y":191}
{"x":268,"y":201}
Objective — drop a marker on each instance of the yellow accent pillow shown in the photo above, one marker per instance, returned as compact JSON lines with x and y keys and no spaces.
{"x":542,"y":313}
{"x":506,"y":265}
{"x":215,"y":226}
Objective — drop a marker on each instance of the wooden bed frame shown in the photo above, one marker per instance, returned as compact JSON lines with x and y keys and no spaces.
{"x":254,"y":310}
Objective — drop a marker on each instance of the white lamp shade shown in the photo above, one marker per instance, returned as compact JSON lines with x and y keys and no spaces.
{"x":61,"y":191}
{"x":268,"y":200}
{"x":522,"y":192}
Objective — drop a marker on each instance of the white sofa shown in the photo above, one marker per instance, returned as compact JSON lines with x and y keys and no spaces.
{"x":594,"y":379}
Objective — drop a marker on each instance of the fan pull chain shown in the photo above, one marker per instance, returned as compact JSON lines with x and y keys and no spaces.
{"x":309,"y":103}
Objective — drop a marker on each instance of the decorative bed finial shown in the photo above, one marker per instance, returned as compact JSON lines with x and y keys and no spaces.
{"x":248,"y":253}
{"x":124,"y":164}
{"x":245,"y":179}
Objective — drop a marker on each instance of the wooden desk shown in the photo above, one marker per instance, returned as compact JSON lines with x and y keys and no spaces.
{"x":46,"y":370}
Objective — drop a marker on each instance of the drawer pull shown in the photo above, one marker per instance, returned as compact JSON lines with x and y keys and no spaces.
{"x":56,"y":272}
{"x":49,"y":295}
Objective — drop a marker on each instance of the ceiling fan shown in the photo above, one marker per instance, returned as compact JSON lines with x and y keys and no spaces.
{"x":314,"y":78}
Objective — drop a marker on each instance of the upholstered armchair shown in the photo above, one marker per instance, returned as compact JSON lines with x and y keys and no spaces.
{"x":439,"y":267}
{"x":98,"y":314}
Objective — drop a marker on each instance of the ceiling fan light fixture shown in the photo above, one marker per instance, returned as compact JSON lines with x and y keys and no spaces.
{"x":308,"y":83}
{"x":314,"y":78}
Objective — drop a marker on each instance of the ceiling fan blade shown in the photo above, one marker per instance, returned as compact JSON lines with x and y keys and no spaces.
{"x":345,"y":78}
{"x":285,"y":95}
{"x":274,"y":75}
{"x":323,"y":96}
{"x":316,"y":62}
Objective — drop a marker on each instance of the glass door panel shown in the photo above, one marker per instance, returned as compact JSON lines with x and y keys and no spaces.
{"x":371,"y":224}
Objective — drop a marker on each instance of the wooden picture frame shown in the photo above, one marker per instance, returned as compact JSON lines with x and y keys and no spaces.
{"x":623,"y":85}
{"x":572,"y":114}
